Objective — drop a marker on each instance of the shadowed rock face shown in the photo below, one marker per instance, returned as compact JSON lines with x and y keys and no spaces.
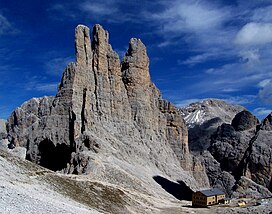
{"x":111,"y":118}
{"x":54,"y":157}
{"x":178,"y":189}
{"x":236,"y":148}
{"x":244,"y":149}
{"x":244,"y":121}
{"x":257,"y":160}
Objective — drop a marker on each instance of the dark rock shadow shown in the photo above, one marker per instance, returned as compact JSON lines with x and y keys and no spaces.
{"x":270,"y":185}
{"x":179,"y":190}
{"x":54,"y":157}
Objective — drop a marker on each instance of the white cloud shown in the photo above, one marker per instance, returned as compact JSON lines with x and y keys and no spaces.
{"x":210,"y":32}
{"x":254,"y":34}
{"x":262,"y":112}
{"x":5,"y":26}
{"x":230,"y":90}
{"x":43,"y":87}
{"x":62,"y":12}
{"x":183,"y":103}
{"x":262,"y":14}
{"x":193,"y":16}
{"x":197,"y":59}
{"x":250,"y":57}
{"x":165,"y":44}
{"x":223,"y":70}
{"x":199,"y":24}
{"x":57,"y":65}
{"x":241,"y":100}
{"x":46,"y":87}
{"x":109,"y":11}
{"x":265,"y":93}
{"x":100,"y":8}
{"x":41,"y":84}
{"x":264,"y":83}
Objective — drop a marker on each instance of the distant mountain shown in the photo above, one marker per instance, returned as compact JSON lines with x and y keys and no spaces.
{"x":200,"y":112}
{"x":204,"y":117}
{"x":233,"y":145}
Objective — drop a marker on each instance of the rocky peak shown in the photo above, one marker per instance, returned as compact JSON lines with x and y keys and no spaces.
{"x":135,"y":64}
{"x":200,"y":112}
{"x":108,"y":121}
{"x":83,"y":45}
{"x":244,"y":120}
{"x":100,"y":36}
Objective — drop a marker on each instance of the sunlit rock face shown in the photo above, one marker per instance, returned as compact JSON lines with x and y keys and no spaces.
{"x":108,"y":121}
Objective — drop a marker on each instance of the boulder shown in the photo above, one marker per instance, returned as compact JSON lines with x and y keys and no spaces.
{"x":244,"y":121}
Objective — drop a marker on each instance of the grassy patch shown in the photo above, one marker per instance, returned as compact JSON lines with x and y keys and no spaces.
{"x":91,"y":194}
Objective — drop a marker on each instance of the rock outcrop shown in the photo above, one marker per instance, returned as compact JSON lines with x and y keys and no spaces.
{"x":257,"y":162}
{"x":247,"y":187}
{"x":244,"y":121}
{"x":239,"y":153}
{"x":218,"y":177}
{"x":230,"y":142}
{"x":108,"y":121}
{"x":244,"y":149}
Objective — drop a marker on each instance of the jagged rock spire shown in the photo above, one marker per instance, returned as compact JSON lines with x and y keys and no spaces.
{"x":135,"y":64}
{"x":83,"y":45}
{"x":100,"y":37}
{"x":105,"y":112}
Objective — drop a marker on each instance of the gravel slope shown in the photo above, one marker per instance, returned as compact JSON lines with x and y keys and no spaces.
{"x":22,"y":192}
{"x":29,"y":188}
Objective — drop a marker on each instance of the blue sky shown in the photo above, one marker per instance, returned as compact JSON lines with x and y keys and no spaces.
{"x":197,"y":49}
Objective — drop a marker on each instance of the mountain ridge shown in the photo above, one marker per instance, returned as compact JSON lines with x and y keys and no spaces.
{"x":109,"y":124}
{"x":108,"y":121}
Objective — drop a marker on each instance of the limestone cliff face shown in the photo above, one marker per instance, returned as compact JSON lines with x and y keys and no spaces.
{"x":257,"y":161}
{"x":108,"y":120}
